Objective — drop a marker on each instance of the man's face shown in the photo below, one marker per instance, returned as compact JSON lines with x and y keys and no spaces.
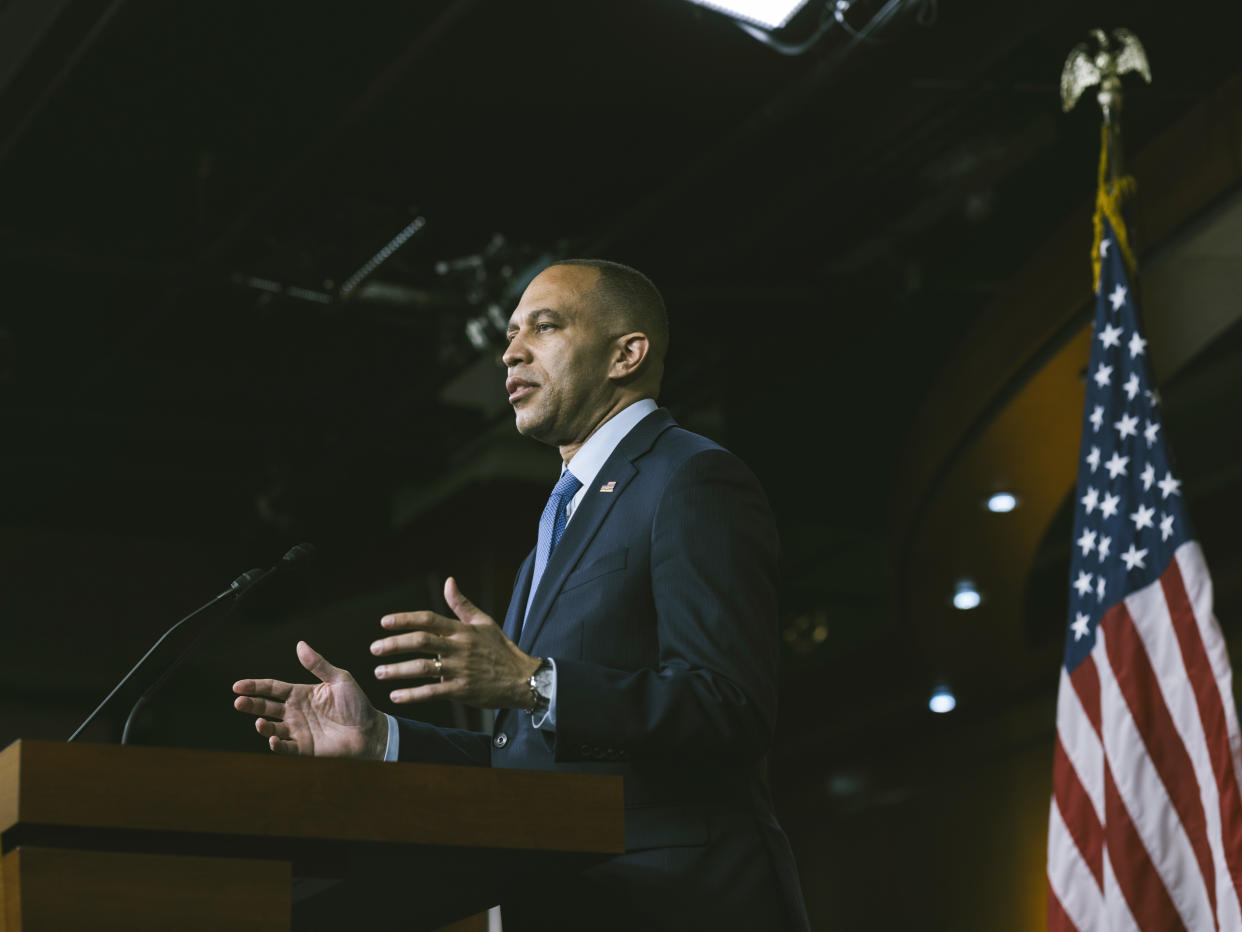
{"x":558,"y":358}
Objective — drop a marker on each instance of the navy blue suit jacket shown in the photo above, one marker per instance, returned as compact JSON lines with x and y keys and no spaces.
{"x":659,"y":606}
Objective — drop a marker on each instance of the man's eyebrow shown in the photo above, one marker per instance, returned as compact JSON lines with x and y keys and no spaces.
{"x":537,"y":315}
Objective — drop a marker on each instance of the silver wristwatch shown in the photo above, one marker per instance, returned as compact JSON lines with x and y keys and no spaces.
{"x":540,"y":687}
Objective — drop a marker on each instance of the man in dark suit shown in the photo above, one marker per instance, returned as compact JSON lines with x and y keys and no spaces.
{"x":641,"y":639}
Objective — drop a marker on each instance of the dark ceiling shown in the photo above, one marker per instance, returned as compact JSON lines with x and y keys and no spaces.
{"x":185,"y":188}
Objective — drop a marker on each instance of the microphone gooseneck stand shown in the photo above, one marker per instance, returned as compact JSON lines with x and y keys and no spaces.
{"x":241,"y":582}
{"x":248,"y":587}
{"x":252,"y":588}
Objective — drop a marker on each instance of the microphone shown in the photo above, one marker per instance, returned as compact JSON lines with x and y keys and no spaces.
{"x":242,"y":582}
{"x":260,"y":585}
{"x":266,"y":595}
{"x":237,"y":587}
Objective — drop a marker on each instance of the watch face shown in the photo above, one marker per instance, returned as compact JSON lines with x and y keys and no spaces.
{"x":543,"y":681}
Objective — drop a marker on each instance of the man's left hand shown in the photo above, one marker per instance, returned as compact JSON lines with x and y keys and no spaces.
{"x":474,"y":662}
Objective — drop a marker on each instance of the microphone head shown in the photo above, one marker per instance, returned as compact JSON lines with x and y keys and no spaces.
{"x":281,"y":590}
{"x":246,"y":579}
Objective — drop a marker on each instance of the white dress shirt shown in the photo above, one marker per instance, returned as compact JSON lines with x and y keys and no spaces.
{"x":585,"y":464}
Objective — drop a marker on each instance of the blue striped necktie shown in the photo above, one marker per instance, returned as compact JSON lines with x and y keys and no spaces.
{"x":551,"y":527}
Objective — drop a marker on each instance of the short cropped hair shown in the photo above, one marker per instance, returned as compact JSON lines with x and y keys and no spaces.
{"x":630,"y":299}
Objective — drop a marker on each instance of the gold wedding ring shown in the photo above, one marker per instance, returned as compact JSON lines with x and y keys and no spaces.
{"x":439,"y":666}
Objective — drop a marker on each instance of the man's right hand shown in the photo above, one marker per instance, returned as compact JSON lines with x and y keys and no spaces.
{"x":331,"y":719}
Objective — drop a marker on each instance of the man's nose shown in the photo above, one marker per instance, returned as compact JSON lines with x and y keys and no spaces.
{"x":514,"y":353}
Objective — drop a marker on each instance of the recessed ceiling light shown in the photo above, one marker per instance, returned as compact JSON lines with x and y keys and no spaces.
{"x":966,"y":596}
{"x":770,"y":14}
{"x":942,"y":700}
{"x":1002,"y":502}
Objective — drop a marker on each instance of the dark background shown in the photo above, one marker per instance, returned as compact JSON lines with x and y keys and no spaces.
{"x":187,"y":391}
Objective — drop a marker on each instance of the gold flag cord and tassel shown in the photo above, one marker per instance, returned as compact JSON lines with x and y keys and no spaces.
{"x":1111,"y":194}
{"x":1099,"y":63}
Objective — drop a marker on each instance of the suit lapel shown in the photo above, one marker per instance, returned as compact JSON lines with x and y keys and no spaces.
{"x":619,"y":470}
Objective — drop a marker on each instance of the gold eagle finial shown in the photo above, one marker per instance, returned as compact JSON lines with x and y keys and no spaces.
{"x":1104,"y":67}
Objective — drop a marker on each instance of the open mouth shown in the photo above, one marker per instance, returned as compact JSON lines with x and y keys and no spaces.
{"x":518,"y":389}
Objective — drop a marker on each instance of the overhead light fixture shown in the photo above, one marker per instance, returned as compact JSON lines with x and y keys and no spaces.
{"x":1002,"y":502}
{"x":942,"y":700}
{"x":769,"y":14}
{"x":966,"y":596}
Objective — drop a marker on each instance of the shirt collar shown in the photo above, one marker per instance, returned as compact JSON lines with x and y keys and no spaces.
{"x":592,"y":455}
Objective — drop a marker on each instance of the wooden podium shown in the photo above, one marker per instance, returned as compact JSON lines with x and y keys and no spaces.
{"x":136,"y":838}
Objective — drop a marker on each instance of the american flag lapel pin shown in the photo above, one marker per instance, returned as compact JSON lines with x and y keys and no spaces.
{"x":607,"y":486}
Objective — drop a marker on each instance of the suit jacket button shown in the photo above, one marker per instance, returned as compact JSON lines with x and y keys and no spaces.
{"x":500,"y":740}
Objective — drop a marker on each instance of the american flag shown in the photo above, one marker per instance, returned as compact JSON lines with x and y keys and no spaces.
{"x":1145,"y":826}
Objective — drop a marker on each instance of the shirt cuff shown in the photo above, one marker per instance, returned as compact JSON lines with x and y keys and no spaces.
{"x":394,"y":739}
{"x":546,"y":720}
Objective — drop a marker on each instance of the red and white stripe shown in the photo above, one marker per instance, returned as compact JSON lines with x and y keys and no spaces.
{"x":1145,"y":826}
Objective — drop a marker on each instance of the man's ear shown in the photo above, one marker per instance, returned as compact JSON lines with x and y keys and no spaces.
{"x":629,"y":356}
